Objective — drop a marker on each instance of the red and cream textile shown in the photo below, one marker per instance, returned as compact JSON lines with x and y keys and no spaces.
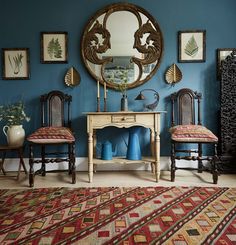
{"x":112,"y":215}
{"x":192,"y":133}
{"x":51,"y":135}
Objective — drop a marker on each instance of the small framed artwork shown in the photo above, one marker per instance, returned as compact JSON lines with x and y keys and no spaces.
{"x":192,"y":46}
{"x":54,"y":47}
{"x":15,"y":64}
{"x":222,"y":53}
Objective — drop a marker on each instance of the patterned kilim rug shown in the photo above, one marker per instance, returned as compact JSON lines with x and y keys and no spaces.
{"x":135,"y":215}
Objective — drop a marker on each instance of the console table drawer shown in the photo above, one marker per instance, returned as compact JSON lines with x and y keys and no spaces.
{"x":123,"y":118}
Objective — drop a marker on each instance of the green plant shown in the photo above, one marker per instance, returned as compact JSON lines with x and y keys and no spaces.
{"x":120,"y":79}
{"x":13,"y":114}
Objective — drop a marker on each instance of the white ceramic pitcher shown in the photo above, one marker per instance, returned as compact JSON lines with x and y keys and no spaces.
{"x":15,"y":135}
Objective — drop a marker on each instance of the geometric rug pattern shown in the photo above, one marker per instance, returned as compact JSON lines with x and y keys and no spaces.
{"x":115,"y":215}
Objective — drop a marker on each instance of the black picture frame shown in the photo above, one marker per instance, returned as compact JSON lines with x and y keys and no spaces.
{"x":15,"y":64}
{"x":54,"y":47}
{"x":192,"y":46}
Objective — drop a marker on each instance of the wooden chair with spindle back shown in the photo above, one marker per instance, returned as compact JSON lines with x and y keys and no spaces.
{"x":185,"y":129}
{"x":55,"y":133}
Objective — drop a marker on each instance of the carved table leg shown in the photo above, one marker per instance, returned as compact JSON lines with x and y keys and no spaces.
{"x":152,"y":144}
{"x":90,"y":156}
{"x":157,"y":146}
{"x":94,"y":149}
{"x":157,"y":156}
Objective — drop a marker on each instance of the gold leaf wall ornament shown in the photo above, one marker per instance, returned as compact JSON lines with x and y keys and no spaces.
{"x":72,"y":77}
{"x":173,"y":75}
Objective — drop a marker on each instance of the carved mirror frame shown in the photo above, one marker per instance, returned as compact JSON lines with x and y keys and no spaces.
{"x":151,"y":48}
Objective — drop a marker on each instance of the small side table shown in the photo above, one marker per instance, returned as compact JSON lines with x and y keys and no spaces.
{"x":19,"y":150}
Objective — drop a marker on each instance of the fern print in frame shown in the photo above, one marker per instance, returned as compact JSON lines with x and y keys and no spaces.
{"x":54,"y":47}
{"x":192,"y":46}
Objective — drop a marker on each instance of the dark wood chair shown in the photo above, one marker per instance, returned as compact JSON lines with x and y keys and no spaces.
{"x":55,"y":136}
{"x":187,"y":130}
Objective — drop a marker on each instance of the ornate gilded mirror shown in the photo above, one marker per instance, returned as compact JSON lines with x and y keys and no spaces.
{"x":122,"y":40}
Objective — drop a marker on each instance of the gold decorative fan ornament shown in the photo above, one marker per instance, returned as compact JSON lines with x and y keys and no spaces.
{"x":173,"y":75}
{"x":72,"y":77}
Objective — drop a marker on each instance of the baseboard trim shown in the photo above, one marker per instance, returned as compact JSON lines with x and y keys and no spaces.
{"x":11,"y":164}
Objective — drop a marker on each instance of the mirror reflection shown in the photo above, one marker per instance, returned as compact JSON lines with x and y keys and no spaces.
{"x":122,"y":43}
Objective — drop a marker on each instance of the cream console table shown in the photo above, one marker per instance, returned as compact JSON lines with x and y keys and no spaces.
{"x":99,"y":120}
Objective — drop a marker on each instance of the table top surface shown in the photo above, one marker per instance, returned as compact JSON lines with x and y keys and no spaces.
{"x":124,"y":112}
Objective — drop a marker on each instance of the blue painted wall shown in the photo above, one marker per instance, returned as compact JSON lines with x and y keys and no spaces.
{"x":21,"y":24}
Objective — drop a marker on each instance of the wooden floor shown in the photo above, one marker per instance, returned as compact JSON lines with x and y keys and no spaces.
{"x":117,"y":178}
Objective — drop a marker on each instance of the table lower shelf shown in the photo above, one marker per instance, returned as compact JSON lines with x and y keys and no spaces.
{"x":123,"y":160}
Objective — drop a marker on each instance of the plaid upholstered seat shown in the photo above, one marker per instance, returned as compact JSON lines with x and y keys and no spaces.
{"x":51,"y":135}
{"x":192,"y":133}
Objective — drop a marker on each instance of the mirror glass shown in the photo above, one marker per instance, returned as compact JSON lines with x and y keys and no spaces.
{"x":122,"y":43}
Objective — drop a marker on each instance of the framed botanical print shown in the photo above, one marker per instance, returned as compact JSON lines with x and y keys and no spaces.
{"x":15,"y":63}
{"x":222,"y":53}
{"x":54,"y":47}
{"x":192,"y":46}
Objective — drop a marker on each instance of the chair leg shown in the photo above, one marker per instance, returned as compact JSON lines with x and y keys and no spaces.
{"x":69,"y":168}
{"x":31,"y":164}
{"x":72,"y":163}
{"x":70,"y":157}
{"x":199,"y":158}
{"x":215,"y":160}
{"x":172,"y":162}
{"x":43,"y":167}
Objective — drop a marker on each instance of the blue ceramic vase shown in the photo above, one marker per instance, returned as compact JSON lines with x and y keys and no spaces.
{"x":133,"y":150}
